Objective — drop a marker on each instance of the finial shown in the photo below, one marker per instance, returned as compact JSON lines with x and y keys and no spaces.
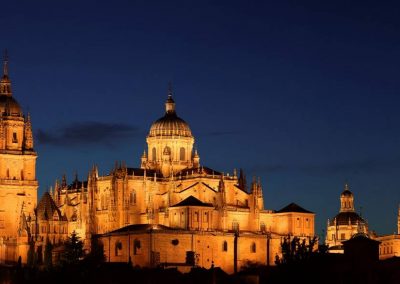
{"x":346,"y":186}
{"x":169,"y":89}
{"x":5,"y":64}
{"x":170,"y":104}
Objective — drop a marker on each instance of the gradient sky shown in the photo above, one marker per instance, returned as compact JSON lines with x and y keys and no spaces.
{"x":304,"y":94}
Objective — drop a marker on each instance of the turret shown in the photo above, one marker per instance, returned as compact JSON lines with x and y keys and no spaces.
{"x":398,"y":221}
{"x":196,"y":159}
{"x":143,"y":160}
{"x":346,"y":200}
{"x":5,"y":83}
{"x":28,"y":137}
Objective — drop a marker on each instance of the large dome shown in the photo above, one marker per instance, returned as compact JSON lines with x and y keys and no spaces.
{"x":170,"y":124}
{"x":344,"y":218}
{"x":9,"y":106}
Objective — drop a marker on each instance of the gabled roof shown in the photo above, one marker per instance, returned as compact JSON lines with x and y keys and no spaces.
{"x":47,"y":207}
{"x":192,"y":201}
{"x":202,"y":169}
{"x":293,"y":207}
{"x":140,"y":227}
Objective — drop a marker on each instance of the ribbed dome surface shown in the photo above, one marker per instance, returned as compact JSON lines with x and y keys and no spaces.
{"x":10,"y":106}
{"x":343,"y":218}
{"x":170,"y":125}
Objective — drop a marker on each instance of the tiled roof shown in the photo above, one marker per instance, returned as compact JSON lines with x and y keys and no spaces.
{"x":293,"y":207}
{"x":141,"y":227}
{"x":192,"y":201}
{"x":47,"y":207}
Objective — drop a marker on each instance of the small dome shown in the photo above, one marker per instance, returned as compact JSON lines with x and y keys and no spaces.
{"x":343,"y":218}
{"x":9,"y":105}
{"x":346,"y":191}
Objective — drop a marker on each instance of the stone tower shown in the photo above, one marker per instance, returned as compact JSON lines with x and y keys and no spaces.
{"x":18,"y":184}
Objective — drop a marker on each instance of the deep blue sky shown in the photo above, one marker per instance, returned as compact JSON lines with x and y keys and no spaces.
{"x":303,"y":94}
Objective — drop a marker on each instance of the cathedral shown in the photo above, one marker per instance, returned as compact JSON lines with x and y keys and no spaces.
{"x":171,"y":211}
{"x":348,"y":224}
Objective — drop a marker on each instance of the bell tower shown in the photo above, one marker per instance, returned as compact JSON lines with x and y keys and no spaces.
{"x":18,"y":184}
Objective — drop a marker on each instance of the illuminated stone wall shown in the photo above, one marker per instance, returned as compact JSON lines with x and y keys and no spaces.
{"x":170,"y":248}
{"x":18,"y":184}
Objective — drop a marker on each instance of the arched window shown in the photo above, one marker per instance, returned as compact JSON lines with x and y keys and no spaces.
{"x":225,"y":246}
{"x":167,"y":150}
{"x":136,"y":246}
{"x":262,"y":227}
{"x":22,"y":174}
{"x":153,"y":154}
{"x":118,"y":247}
{"x":182,"y":154}
{"x":253,"y":247}
{"x":132,"y":199}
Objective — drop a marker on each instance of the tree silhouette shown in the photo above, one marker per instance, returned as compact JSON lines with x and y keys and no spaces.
{"x":296,"y":249}
{"x":73,"y":249}
{"x":48,"y":257}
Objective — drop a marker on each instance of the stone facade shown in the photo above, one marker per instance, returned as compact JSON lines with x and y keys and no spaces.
{"x":167,"y":211}
{"x":18,"y":184}
{"x":179,"y":199}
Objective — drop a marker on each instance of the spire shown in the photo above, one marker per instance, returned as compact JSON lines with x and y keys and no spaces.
{"x":28,"y":137}
{"x":5,"y":64}
{"x":170,"y":103}
{"x":5,"y":83}
{"x":398,"y":221}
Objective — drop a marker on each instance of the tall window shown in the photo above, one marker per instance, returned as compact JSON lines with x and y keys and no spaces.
{"x":153,"y":154}
{"x":253,"y":247}
{"x":182,"y":154}
{"x":14,"y":138}
{"x":132,"y":198}
{"x":118,"y":248}
{"x":225,"y":246}
{"x":136,"y":246}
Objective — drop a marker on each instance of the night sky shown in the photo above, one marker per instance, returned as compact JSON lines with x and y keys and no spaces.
{"x":304,"y":94}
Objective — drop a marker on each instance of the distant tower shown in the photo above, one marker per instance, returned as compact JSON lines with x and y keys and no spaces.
{"x":345,"y":224}
{"x":18,"y":184}
{"x":398,"y":220}
{"x":346,"y":200}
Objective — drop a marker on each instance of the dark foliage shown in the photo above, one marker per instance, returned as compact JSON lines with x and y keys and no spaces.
{"x":73,"y":251}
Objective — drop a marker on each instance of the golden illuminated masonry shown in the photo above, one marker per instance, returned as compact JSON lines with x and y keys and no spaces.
{"x":18,"y":184}
{"x":170,"y":211}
